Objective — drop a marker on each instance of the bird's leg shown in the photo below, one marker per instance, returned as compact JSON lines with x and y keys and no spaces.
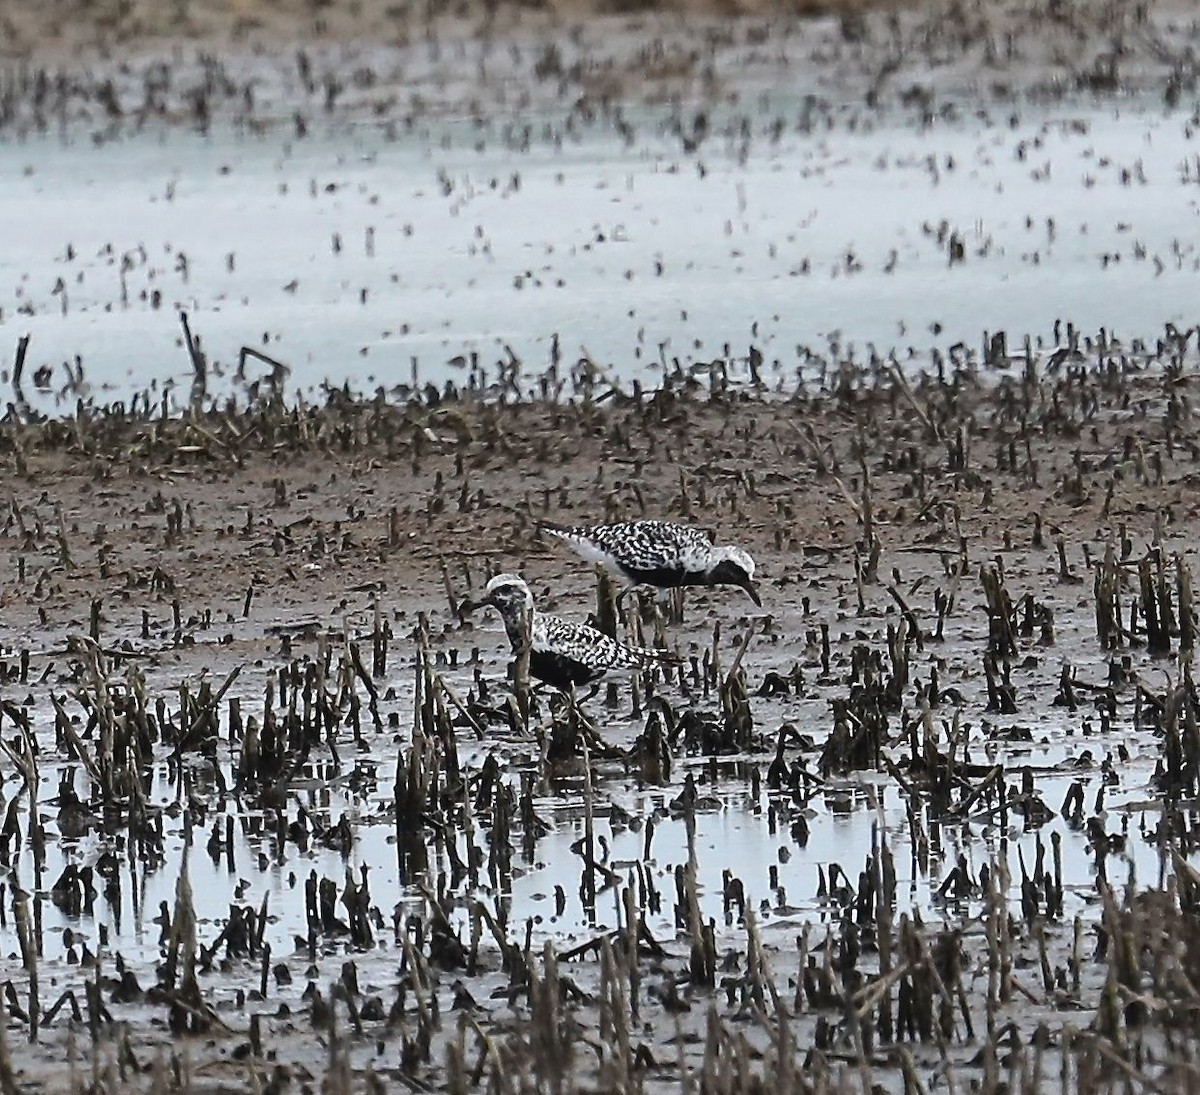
{"x":559,"y":743}
{"x":632,"y":619}
{"x":625,"y":591}
{"x":675,"y":606}
{"x":596,"y":744}
{"x":574,"y":715}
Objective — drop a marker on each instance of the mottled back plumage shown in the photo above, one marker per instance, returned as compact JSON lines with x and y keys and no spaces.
{"x":660,"y":554}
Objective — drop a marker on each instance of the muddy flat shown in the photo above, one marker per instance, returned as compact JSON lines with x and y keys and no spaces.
{"x":282,"y":546}
{"x":278,"y":807}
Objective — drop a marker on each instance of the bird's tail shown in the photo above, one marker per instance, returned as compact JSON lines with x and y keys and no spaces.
{"x":556,"y":528}
{"x":657,"y":655}
{"x":574,"y":536}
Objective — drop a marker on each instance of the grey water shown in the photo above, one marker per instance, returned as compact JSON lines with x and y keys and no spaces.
{"x":365,"y":256}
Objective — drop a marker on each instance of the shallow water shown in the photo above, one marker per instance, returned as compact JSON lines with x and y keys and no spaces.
{"x":452,"y":242}
{"x":748,"y":836}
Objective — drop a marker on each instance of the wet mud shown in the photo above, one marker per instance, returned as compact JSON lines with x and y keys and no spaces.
{"x":278,"y":814}
{"x":276,"y":811}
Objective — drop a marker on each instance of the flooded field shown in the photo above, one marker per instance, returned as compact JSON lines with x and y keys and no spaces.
{"x":386,"y":260}
{"x":297,"y":370}
{"x":639,"y":198}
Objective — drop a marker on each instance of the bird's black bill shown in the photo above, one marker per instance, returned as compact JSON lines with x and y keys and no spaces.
{"x":749,"y":587}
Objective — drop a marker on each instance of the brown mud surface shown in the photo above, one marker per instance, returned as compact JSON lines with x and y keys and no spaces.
{"x":118,"y":65}
{"x":31,"y":28}
{"x":312,"y":507}
{"x":882,"y":513}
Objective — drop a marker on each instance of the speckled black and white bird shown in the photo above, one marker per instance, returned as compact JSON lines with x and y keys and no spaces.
{"x":660,"y":554}
{"x":561,"y":653}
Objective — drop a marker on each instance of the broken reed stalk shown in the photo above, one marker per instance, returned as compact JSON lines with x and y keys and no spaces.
{"x":633,"y":931}
{"x":614,"y":1022}
{"x":417,"y":770}
{"x":884,"y":926}
{"x":98,"y":699}
{"x":866,"y":572}
{"x":186,"y":1010}
{"x":1001,"y":637}
{"x":380,"y":634}
{"x":1154,"y":612}
{"x":22,"y":403}
{"x":521,"y":683}
{"x":8,"y":1081}
{"x":1187,"y":611}
{"x":1107,"y":594}
{"x":461,"y":707}
{"x":198,"y":360}
{"x":587,"y":891}
{"x":29,"y":957}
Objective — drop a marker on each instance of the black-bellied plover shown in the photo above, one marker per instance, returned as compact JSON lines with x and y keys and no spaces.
{"x":561,"y":653}
{"x":660,"y":554}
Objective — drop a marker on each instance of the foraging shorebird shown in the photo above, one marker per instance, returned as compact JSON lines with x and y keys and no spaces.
{"x":660,"y":554}
{"x":561,"y":653}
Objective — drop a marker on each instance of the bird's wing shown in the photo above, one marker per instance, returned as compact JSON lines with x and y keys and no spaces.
{"x":587,"y":645}
{"x":643,"y":545}
{"x":582,"y":543}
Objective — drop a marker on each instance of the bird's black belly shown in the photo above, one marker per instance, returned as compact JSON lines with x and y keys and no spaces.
{"x":663,"y":577}
{"x":560,"y":672}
